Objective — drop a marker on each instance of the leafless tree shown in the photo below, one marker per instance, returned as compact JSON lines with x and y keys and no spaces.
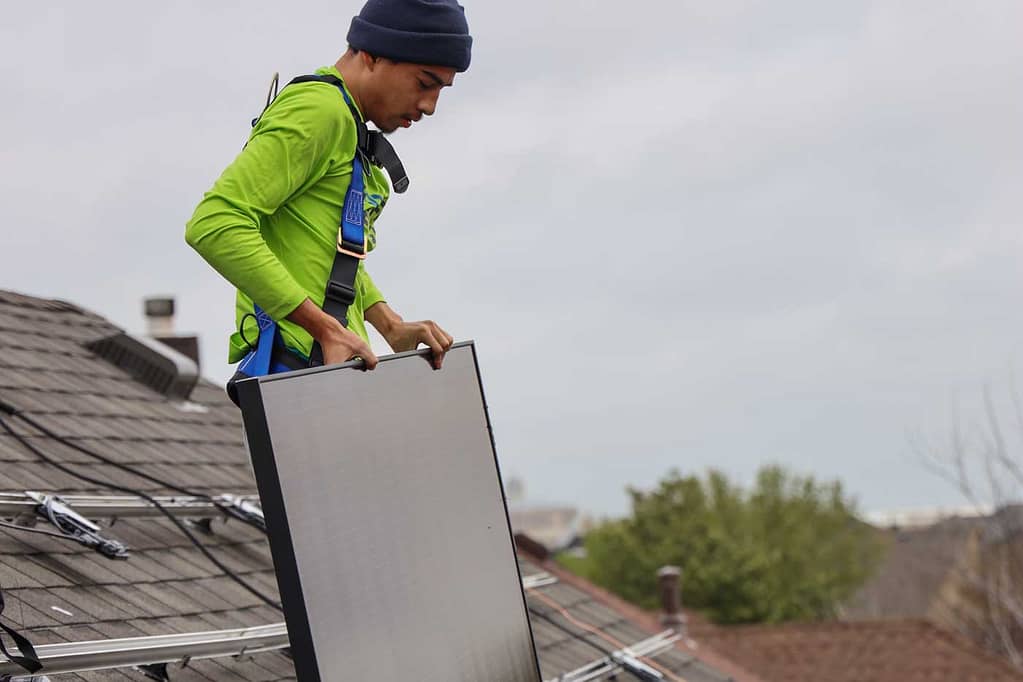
{"x":983,"y":597}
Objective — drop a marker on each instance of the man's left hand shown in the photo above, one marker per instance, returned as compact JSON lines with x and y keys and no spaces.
{"x":408,"y":335}
{"x":403,"y":336}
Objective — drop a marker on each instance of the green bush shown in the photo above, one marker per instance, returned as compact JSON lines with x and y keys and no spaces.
{"x":789,"y":549}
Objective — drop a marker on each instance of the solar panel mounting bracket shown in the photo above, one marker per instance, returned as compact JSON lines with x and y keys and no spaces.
{"x":244,"y":509}
{"x":73,"y":525}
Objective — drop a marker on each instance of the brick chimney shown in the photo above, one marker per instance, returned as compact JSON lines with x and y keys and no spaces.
{"x":669,"y":579}
{"x":160,"y":326}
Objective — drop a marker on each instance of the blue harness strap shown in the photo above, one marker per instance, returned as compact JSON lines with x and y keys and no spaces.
{"x":257,"y":362}
{"x":353,"y":230}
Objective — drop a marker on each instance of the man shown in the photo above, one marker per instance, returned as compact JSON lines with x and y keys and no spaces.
{"x":270,"y":223}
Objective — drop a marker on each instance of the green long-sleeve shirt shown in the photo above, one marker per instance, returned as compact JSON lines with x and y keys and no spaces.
{"x":269,"y":224}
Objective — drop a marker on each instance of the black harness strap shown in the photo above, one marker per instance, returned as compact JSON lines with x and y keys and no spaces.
{"x":374,"y":149}
{"x":29,"y":660}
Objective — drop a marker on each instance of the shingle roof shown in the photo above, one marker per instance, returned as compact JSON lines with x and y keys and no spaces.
{"x":885,"y":651}
{"x":61,"y":591}
{"x":167,"y":586}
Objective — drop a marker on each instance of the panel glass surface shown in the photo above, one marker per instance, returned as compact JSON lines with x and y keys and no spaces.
{"x":399,"y":529}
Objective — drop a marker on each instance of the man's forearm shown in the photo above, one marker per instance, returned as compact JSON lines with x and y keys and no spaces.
{"x":383,"y":319}
{"x":404,"y":336}
{"x":311,"y":317}
{"x":338,"y":344}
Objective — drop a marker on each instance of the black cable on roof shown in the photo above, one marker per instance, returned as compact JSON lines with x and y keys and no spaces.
{"x":7,"y":407}
{"x":15,"y":412}
{"x":149,"y":498}
{"x":38,"y":531}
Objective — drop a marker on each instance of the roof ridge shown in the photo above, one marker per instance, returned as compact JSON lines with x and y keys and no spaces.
{"x":40,"y":303}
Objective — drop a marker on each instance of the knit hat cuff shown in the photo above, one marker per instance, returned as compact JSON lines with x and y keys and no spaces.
{"x":442,"y":49}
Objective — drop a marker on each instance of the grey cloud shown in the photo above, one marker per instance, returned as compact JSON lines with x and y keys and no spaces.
{"x":684,"y":234}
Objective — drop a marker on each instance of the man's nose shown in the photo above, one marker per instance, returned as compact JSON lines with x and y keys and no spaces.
{"x":428,"y":104}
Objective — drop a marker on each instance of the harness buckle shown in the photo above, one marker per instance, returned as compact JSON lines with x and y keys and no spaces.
{"x":342,"y":293}
{"x":351,"y":248}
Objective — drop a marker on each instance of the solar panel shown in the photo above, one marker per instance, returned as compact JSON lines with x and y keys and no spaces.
{"x":387,"y":522}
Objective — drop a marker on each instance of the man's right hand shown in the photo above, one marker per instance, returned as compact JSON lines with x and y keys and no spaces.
{"x":339,"y":344}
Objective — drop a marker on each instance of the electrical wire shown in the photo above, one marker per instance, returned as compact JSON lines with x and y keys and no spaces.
{"x":600,"y":633}
{"x":14,"y":412}
{"x":149,"y":498}
{"x":38,"y":531}
{"x":570,"y":632}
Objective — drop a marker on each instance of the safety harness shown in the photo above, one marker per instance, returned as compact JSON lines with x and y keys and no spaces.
{"x":270,"y":356}
{"x":29,"y":660}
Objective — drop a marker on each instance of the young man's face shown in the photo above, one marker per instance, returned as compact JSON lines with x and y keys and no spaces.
{"x":402,"y":93}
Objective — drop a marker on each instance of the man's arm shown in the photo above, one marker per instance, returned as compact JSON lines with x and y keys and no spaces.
{"x":290,"y":149}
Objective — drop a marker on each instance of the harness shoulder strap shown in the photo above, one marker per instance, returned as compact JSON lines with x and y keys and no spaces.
{"x":351,"y":240}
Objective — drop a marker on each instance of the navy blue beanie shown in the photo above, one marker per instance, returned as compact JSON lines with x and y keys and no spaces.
{"x":417,"y":31}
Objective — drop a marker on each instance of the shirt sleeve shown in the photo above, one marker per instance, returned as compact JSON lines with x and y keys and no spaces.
{"x":289,"y":149}
{"x":368,"y":291}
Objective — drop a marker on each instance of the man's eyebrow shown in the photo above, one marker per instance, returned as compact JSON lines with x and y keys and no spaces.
{"x":436,"y":79}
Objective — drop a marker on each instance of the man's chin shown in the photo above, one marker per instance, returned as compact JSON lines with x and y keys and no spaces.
{"x":386,"y":130}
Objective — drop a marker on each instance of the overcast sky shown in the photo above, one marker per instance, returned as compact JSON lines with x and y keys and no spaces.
{"x":683,"y":234}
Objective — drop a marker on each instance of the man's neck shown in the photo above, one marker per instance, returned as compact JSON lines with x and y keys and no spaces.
{"x":349,"y":71}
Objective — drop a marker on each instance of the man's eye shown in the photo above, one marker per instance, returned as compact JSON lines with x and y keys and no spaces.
{"x":424,"y":86}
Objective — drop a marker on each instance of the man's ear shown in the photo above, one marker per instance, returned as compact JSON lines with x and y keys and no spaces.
{"x":368,"y":60}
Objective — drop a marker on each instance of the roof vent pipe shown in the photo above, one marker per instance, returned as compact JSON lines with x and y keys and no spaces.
{"x":159,"y":311}
{"x":159,"y":316}
{"x":669,"y":579}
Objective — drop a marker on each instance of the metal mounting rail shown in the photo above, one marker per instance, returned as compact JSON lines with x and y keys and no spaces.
{"x":14,"y":505}
{"x":76,"y":657}
{"x":627,"y":659}
{"x":108,"y":506}
{"x":541,"y":579}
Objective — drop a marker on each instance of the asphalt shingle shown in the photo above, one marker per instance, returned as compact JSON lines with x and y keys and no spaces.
{"x":167,"y":584}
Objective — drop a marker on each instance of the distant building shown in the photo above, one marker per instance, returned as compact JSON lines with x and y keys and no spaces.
{"x":925,"y":516}
{"x":556,"y":528}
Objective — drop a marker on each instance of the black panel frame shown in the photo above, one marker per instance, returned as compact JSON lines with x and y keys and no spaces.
{"x":289,"y":584}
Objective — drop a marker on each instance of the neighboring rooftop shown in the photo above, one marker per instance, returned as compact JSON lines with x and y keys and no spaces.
{"x":885,"y":651}
{"x":909,"y":579}
{"x":556,"y":527}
